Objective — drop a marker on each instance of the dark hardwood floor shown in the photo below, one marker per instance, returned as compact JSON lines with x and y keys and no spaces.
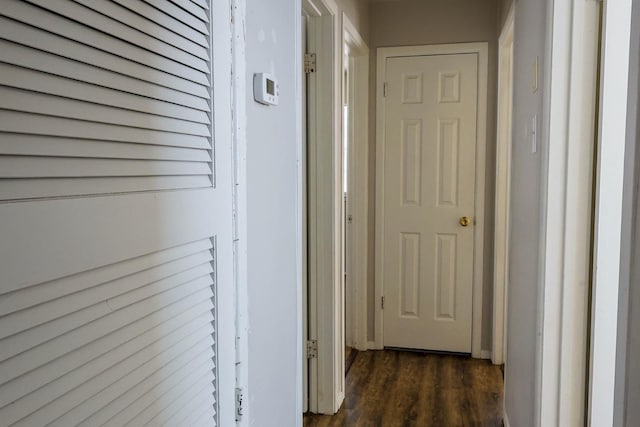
{"x":405,"y":389}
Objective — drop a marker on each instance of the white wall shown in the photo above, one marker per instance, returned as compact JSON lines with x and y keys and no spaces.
{"x":268,"y":186}
{"x":526,"y":219}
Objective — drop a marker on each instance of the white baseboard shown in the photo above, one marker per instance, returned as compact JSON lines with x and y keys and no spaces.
{"x":371,"y":345}
{"x":505,"y":419}
{"x":485,"y":354}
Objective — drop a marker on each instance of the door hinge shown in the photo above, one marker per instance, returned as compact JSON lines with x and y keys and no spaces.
{"x":385,"y":88}
{"x":309,"y":63}
{"x":382,"y":303}
{"x":312,"y":349}
{"x":239,"y":404}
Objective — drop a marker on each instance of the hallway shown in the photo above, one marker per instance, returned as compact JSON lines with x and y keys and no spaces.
{"x":393,"y":388}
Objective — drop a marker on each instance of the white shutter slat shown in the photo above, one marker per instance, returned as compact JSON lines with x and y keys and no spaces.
{"x":138,"y":348}
{"x":65,"y":411}
{"x":193,"y":401}
{"x":23,"y":298}
{"x":50,"y":350}
{"x":109,"y":25}
{"x":35,"y":103}
{"x":54,"y":167}
{"x":35,"y":38}
{"x":141,"y":23}
{"x":202,"y":3}
{"x":35,"y":81}
{"x":165,"y":416}
{"x":107,"y":350}
{"x":182,"y":270}
{"x":37,"y":60}
{"x":15,"y":189}
{"x":193,"y":9}
{"x":34,"y":16}
{"x":194,"y":416}
{"x":149,"y":372}
{"x":207,"y":419}
{"x":13,"y":144}
{"x":135,"y":404}
{"x":26,"y":123}
{"x":181,"y":15}
{"x":204,"y":393}
{"x":94,"y":318}
{"x":164,"y":20}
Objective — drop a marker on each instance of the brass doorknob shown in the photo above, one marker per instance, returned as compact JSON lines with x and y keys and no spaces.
{"x":465,"y":221}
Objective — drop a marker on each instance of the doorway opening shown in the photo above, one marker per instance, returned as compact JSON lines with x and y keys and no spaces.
{"x":355,"y":137}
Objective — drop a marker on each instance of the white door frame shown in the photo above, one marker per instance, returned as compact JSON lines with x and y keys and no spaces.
{"x":627,"y":371}
{"x":503,"y":188}
{"x":616,"y":31}
{"x":481,"y":50}
{"x":325,"y":209}
{"x":303,"y":215}
{"x":223,"y":100}
{"x":566,"y":207}
{"x":358,"y":243}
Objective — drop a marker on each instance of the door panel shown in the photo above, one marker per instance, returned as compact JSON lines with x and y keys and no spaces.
{"x":429,"y":185}
{"x":116,"y":215}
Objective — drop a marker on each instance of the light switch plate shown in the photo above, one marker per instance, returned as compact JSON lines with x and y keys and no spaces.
{"x":534,"y":134}
{"x":534,"y":75}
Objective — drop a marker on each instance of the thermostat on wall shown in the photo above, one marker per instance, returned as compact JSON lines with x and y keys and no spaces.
{"x":265,"y":89}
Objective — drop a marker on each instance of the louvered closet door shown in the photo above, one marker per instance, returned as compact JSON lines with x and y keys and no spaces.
{"x":115,"y":219}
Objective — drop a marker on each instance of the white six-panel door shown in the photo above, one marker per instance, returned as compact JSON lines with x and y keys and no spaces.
{"x":429,"y":191}
{"x":115,"y":215}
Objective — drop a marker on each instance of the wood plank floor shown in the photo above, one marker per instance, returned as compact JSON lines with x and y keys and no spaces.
{"x":405,"y":389}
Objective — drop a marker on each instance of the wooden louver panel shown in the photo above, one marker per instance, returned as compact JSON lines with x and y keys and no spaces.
{"x":124,"y":344}
{"x":104,"y":97}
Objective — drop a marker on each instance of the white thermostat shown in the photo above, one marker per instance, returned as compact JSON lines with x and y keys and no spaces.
{"x":265,"y":89}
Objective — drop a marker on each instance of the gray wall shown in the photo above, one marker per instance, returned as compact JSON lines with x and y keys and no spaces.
{"x":526,"y":221}
{"x":358,"y":13}
{"x":271,"y":35}
{"x":627,"y":410}
{"x":419,"y":22}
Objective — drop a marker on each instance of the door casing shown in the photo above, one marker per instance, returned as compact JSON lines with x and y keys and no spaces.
{"x":481,"y":49}
{"x":358,"y":169}
{"x":324,"y":187}
{"x":503,"y":189}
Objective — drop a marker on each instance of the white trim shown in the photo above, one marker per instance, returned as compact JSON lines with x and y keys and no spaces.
{"x":326,"y":372}
{"x":238,"y":86}
{"x":505,"y":419}
{"x":358,"y":56}
{"x":566,"y":210}
{"x":225,"y":298}
{"x":481,"y":50}
{"x":503,"y":188}
{"x":627,"y":347}
{"x":301,"y":241}
{"x":609,"y":203}
{"x":485,"y":354}
{"x":352,"y":37}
